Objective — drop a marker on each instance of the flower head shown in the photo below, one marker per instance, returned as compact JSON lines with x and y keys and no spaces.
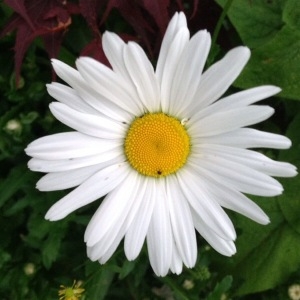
{"x":163,"y":147}
{"x":71,"y":293}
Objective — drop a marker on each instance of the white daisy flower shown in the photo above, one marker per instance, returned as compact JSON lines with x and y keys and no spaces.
{"x":167,"y":155}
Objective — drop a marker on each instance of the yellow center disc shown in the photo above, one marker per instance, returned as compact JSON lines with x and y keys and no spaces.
{"x":157,"y":145}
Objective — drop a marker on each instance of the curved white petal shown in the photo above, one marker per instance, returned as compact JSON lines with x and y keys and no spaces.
{"x":181,"y":222}
{"x":188,"y":72}
{"x":237,"y":100}
{"x":176,"y":263}
{"x":90,"y":95}
{"x":142,"y":75}
{"x":238,"y":176}
{"x":166,"y":75}
{"x":249,"y":158}
{"x":137,"y":231}
{"x":216,"y":80}
{"x":44,"y":165}
{"x":69,"y":145}
{"x":64,"y":180}
{"x":232,"y":119}
{"x":114,"y":210}
{"x":224,"y":247}
{"x":92,"y":125}
{"x":108,"y":84}
{"x":247,"y":138}
{"x":70,"y":97}
{"x":159,"y":237}
{"x":177,"y":22}
{"x":93,"y":188}
{"x":204,"y":203}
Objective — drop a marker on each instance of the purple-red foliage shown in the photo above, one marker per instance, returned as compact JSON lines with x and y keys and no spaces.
{"x":50,"y":19}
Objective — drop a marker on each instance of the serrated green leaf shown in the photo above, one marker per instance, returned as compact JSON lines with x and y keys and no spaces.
{"x":256,"y":21}
{"x":277,"y":63}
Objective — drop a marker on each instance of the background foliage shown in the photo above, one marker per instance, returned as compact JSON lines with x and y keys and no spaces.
{"x":37,"y":256}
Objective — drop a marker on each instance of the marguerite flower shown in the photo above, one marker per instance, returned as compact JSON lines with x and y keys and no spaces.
{"x":167,"y":155}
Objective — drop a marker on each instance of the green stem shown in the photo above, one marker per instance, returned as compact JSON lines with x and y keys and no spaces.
{"x":220,"y":22}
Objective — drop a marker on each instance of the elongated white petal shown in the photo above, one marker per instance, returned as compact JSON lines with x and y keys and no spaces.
{"x":230,"y":120}
{"x":249,"y":158}
{"x":107,"y":83}
{"x":69,"y":145}
{"x":216,"y":80}
{"x":188,"y":72}
{"x":204,"y":204}
{"x":114,"y":210}
{"x":42,"y":165}
{"x":137,"y":231}
{"x":95,"y":187}
{"x":181,"y":221}
{"x":177,"y":22}
{"x":96,"y":100}
{"x":247,"y":138}
{"x":97,"y":126}
{"x":176,"y":263}
{"x":70,"y":97}
{"x":159,"y":237}
{"x":141,"y":73}
{"x":166,"y":75}
{"x":64,"y":180}
{"x":237,"y":100}
{"x":238,"y":176}
{"x":225,"y":247}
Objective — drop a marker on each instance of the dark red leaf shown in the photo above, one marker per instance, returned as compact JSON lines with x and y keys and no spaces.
{"x":89,"y":9}
{"x":159,"y":11}
{"x":19,"y":7}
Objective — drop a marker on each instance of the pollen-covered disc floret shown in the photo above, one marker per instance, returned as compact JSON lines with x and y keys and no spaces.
{"x":157,"y":144}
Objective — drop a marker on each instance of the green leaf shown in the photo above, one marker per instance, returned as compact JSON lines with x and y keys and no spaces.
{"x":277,"y":63}
{"x":291,"y":14}
{"x":290,"y":201}
{"x":268,"y":255}
{"x":256,"y":21}
{"x":221,"y":288}
{"x":268,"y":27}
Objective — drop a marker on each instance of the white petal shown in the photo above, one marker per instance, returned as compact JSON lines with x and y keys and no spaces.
{"x":232,"y":119}
{"x":113,"y":47}
{"x":240,"y":99}
{"x":249,"y":158}
{"x":188,"y":72}
{"x":114,"y":210}
{"x":107,"y":83}
{"x":93,"y":188}
{"x":181,"y":222}
{"x":69,"y":145}
{"x":216,"y":80}
{"x":142,"y":74}
{"x":159,"y":237}
{"x":234,"y":200}
{"x":167,"y":73}
{"x":70,"y":97}
{"x":247,"y":138}
{"x":68,"y":179}
{"x":176,"y":264}
{"x":177,"y":22}
{"x":225,"y":247}
{"x":97,"y":126}
{"x":238,"y":176}
{"x":42,"y":165}
{"x":204,"y":204}
{"x":137,"y":231}
{"x":88,"y":94}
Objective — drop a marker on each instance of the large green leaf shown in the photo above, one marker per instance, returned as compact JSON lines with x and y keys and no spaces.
{"x":268,"y":255}
{"x":271,"y":29}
